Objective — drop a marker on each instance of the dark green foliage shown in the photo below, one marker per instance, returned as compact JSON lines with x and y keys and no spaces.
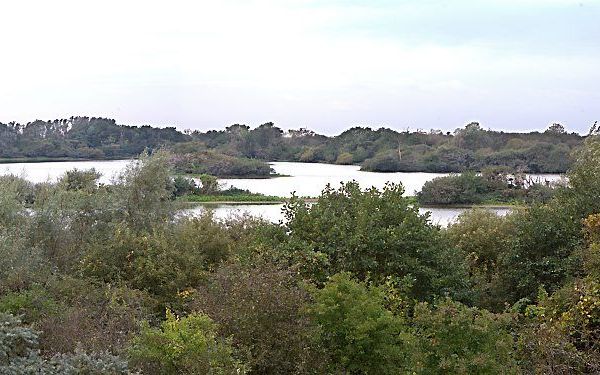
{"x":541,"y":248}
{"x":584,"y":177}
{"x":241,"y":151}
{"x":471,"y":148}
{"x":361,"y":335}
{"x":464,"y":188}
{"x":455,"y":339}
{"x":561,"y":333}
{"x":220,"y":165}
{"x":491,"y":186}
{"x":159,"y":261}
{"x":184,"y":186}
{"x":373,"y":234}
{"x":484,"y":238}
{"x":387,"y":161}
{"x":82,"y":138}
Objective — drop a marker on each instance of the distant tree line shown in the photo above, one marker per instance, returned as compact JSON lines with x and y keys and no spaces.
{"x":387,"y":150}
{"x":381,"y":150}
{"x":82,"y":138}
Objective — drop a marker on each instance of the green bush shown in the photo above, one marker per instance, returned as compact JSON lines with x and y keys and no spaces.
{"x":262,"y":308}
{"x":455,"y":339}
{"x":220,"y":165}
{"x":371,"y":233}
{"x":483,"y":239}
{"x":464,"y":188}
{"x":187,"y":345}
{"x":359,"y":333}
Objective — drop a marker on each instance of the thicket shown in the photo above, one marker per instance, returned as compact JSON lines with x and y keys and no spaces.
{"x":111,"y":279}
{"x":493,"y":185}
{"x":219,"y":165}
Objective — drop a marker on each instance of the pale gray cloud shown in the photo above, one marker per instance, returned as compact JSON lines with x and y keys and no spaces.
{"x":322,"y":64}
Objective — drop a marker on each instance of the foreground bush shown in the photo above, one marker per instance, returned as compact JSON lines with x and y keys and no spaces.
{"x":19,"y":355}
{"x":262,"y":308}
{"x":186,"y":345}
{"x":455,"y":339}
{"x":361,"y":335}
{"x":372,"y":233}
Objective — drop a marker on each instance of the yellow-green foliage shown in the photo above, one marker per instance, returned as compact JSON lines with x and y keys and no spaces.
{"x":187,"y":345}
{"x":456,"y":339}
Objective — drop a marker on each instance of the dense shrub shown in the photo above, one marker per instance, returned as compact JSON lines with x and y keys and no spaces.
{"x":490,"y":186}
{"x":262,"y":308}
{"x":374,"y":234}
{"x":455,"y":339}
{"x":360,"y":334}
{"x":465,"y":188}
{"x":484,"y":238}
{"x":208,"y":162}
{"x":187,"y":345}
{"x":19,"y":355}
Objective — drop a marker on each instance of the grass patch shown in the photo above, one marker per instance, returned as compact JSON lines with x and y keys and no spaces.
{"x":232,"y":198}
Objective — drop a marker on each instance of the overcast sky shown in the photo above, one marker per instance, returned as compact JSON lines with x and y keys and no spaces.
{"x":326,"y":65}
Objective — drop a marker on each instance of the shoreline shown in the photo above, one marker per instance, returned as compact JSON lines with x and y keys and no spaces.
{"x":54,"y":160}
{"x":67,"y":159}
{"x":314,"y":200}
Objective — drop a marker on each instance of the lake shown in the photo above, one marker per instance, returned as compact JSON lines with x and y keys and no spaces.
{"x":273,"y":213}
{"x":41,"y":172}
{"x":306,"y":179}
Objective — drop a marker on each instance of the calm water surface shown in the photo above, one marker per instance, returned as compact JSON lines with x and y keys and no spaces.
{"x":273,"y":212}
{"x":50,"y":171}
{"x":306,"y":179}
{"x":309,"y":179}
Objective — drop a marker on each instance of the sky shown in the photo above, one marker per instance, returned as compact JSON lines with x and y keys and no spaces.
{"x":326,"y":65}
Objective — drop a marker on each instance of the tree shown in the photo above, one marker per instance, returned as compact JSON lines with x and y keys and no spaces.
{"x":484,"y":238}
{"x":209,"y":184}
{"x":540,"y":250}
{"x":555,"y":128}
{"x":584,"y":178}
{"x":562,"y":330}
{"x":375,"y":234}
{"x":145,"y":190}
